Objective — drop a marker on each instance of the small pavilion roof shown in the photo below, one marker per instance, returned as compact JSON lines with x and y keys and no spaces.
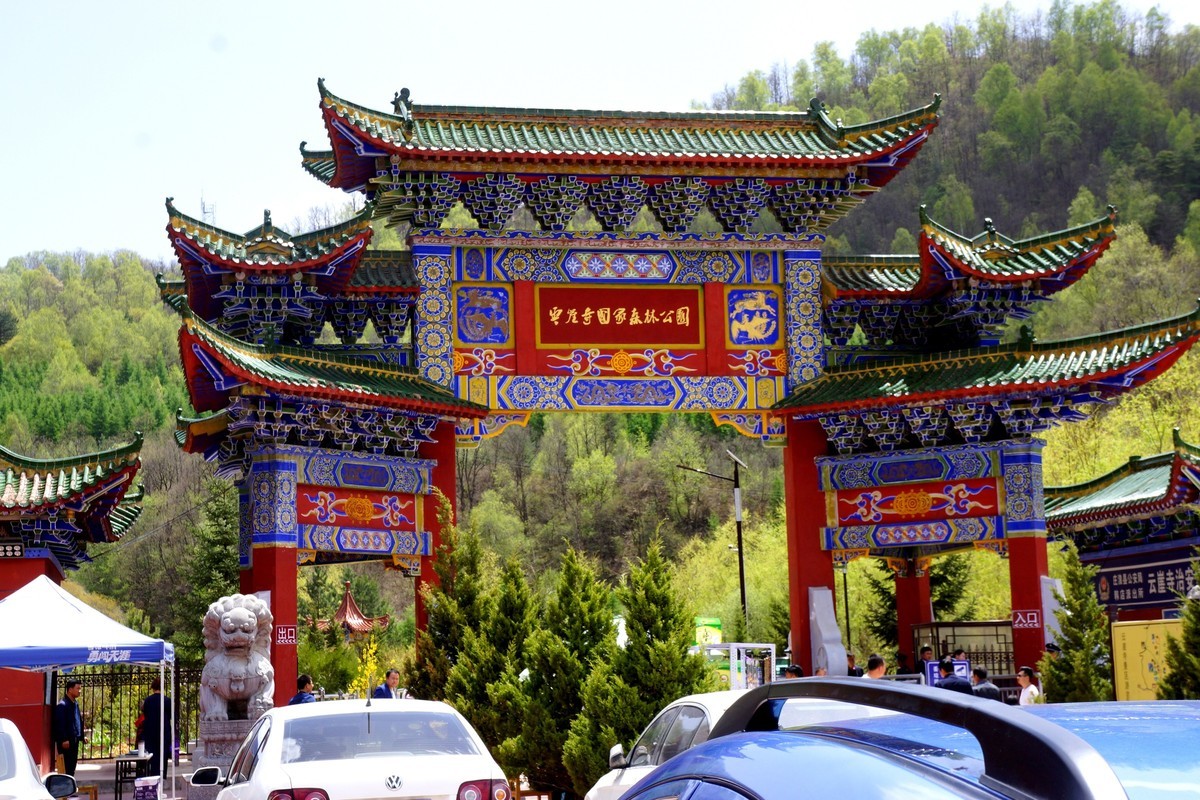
{"x":351,"y":618}
{"x":1143,"y":486}
{"x":650,"y":141}
{"x":208,"y":255}
{"x":1108,"y":363}
{"x":268,"y":247}
{"x":217,"y":364}
{"x":1054,"y":260}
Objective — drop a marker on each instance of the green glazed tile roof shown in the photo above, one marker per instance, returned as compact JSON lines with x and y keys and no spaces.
{"x":384,"y":269}
{"x":1141,"y":485}
{"x":990,"y":255}
{"x":997,"y":257}
{"x":889,"y":274}
{"x":311,"y":373}
{"x":172,"y":292}
{"x":196,"y":434}
{"x":1000,"y":371}
{"x":27,"y":483}
{"x":121,"y":518}
{"x":810,"y":135}
{"x":318,"y":163}
{"x":267,"y":246}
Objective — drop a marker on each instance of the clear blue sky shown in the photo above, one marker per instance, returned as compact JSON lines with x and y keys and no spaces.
{"x":109,"y":107}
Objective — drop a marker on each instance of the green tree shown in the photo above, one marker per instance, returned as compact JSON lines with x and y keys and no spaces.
{"x":1182,"y":681}
{"x":8,"y":325}
{"x":948,"y":581}
{"x":1084,"y":208}
{"x":546,"y":696}
{"x":1083,"y":670}
{"x":954,"y":207}
{"x":498,"y":645}
{"x":753,"y":94}
{"x":211,"y":567}
{"x":622,"y":695}
{"x":454,"y":604}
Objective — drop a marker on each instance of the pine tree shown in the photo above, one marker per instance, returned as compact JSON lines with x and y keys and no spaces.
{"x":947,"y":585}
{"x":211,"y":570}
{"x":454,"y":605}
{"x":622,"y":695}
{"x":1182,"y":679}
{"x":546,"y":695}
{"x":486,"y":653}
{"x":1083,"y":670}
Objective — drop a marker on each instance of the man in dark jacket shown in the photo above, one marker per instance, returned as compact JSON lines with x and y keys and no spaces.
{"x":68,"y":725}
{"x":954,"y":683}
{"x":982,"y":687}
{"x":304,"y":686}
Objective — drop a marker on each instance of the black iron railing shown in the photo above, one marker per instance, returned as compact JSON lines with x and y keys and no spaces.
{"x":112,"y":699}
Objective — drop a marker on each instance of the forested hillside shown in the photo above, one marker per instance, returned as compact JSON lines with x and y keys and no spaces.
{"x":1044,"y":121}
{"x":1034,"y":111}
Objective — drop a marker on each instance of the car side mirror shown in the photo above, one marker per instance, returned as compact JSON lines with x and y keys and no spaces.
{"x":207,"y":776}
{"x":616,"y":757}
{"x":60,"y":785}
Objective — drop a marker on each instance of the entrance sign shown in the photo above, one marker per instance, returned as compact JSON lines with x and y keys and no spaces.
{"x":1029,"y":618}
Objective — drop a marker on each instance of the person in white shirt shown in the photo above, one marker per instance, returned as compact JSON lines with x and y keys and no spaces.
{"x":1030,"y":693}
{"x":876,"y":666}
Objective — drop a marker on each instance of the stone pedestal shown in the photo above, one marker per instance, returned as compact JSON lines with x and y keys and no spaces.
{"x":219,"y":740}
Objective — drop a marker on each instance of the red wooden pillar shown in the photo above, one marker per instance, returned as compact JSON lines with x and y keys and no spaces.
{"x":275,"y":571}
{"x":914,"y":606}
{"x":23,"y":694}
{"x":1027,"y":564}
{"x":442,"y":452}
{"x":808,"y":564}
{"x":270,"y":521}
{"x":1025,"y":532}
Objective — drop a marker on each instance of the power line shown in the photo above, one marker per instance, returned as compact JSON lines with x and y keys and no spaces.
{"x":144,"y":536}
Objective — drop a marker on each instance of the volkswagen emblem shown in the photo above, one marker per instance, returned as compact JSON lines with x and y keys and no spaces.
{"x":393,"y":782}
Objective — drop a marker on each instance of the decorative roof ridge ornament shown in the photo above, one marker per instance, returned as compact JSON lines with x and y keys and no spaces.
{"x":268,"y":239}
{"x":402,"y":105}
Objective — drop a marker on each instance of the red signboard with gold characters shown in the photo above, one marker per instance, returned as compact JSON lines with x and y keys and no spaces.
{"x":355,"y":508}
{"x":918,"y":502}
{"x":619,"y":316}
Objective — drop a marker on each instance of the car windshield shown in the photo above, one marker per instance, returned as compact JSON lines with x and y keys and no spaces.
{"x":365,"y":734}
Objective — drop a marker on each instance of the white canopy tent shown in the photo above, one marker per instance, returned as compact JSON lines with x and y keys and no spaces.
{"x":44,"y":628}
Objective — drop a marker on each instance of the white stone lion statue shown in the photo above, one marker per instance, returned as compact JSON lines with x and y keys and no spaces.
{"x":238,"y":681}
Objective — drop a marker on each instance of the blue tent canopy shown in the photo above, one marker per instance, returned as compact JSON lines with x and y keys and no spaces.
{"x":43,"y":627}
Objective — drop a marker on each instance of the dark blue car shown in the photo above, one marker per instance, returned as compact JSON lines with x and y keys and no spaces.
{"x":936,"y":744}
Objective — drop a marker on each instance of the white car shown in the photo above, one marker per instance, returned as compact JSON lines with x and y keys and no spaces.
{"x":683,"y":724}
{"x":19,"y":775}
{"x":355,"y":749}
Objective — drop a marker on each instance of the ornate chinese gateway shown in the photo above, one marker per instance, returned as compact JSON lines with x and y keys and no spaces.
{"x":695,"y":283}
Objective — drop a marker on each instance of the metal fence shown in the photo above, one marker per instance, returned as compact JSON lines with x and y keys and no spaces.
{"x":112,"y":699}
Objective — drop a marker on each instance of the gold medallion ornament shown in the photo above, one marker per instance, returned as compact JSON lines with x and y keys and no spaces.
{"x":621,"y":362}
{"x":908,"y":503}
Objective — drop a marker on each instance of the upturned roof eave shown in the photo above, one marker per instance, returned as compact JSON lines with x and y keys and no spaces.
{"x":1185,"y":328}
{"x":336,"y":238}
{"x":223,"y":348}
{"x":123,"y":453}
{"x":839,"y":153}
